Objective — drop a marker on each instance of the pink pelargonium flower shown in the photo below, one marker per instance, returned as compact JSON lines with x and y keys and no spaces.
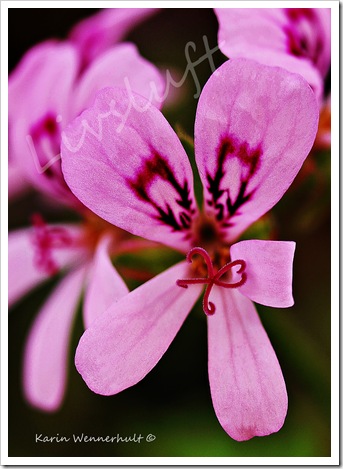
{"x":48,"y":89}
{"x":297,"y":39}
{"x":99,"y":32}
{"x":254,"y":127}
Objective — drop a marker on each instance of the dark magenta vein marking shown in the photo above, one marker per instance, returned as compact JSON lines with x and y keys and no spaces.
{"x":228,"y":148}
{"x":154,"y":168}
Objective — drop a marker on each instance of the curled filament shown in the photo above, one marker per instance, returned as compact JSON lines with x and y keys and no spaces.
{"x":212,"y":278}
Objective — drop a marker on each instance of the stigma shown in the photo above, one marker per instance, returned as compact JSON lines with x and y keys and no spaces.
{"x":213,"y":278}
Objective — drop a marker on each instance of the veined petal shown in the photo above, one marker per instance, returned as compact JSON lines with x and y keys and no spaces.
{"x":254,"y":127}
{"x":123,"y":161}
{"x":269,"y":271}
{"x":39,"y":107}
{"x":128,"y":339}
{"x":105,"y":285}
{"x":25,"y":267}
{"x":97,"y":33}
{"x":247,"y":387}
{"x":46,"y":352}
{"x":121,"y":66}
{"x":297,"y":39}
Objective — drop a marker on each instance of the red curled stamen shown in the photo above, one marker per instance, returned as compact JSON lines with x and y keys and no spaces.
{"x":212,"y":279}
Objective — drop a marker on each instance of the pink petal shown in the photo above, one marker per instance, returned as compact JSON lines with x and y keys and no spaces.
{"x":97,"y":33}
{"x":31,"y":68}
{"x":127,"y":341}
{"x":250,"y":141}
{"x":105,"y":286}
{"x":46,"y":352}
{"x":24,"y":274}
{"x":123,"y":161}
{"x":40,"y":90}
{"x":273,"y":36}
{"x":247,"y":387}
{"x":120,"y":66}
{"x":269,"y":266}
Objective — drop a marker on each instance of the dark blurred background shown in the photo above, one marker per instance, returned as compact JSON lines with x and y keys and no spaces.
{"x":173,"y":402}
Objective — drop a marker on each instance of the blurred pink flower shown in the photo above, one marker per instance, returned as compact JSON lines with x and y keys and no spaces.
{"x":46,"y":91}
{"x":297,"y":39}
{"x":35,"y":254}
{"x":254,"y":127}
{"x":94,"y":35}
{"x":82,"y":253}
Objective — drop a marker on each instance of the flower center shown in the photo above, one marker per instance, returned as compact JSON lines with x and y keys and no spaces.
{"x":212,"y":277}
{"x":207,"y":233}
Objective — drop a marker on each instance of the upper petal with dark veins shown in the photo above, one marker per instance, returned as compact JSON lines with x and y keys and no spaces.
{"x":123,"y":161}
{"x":254,"y":127}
